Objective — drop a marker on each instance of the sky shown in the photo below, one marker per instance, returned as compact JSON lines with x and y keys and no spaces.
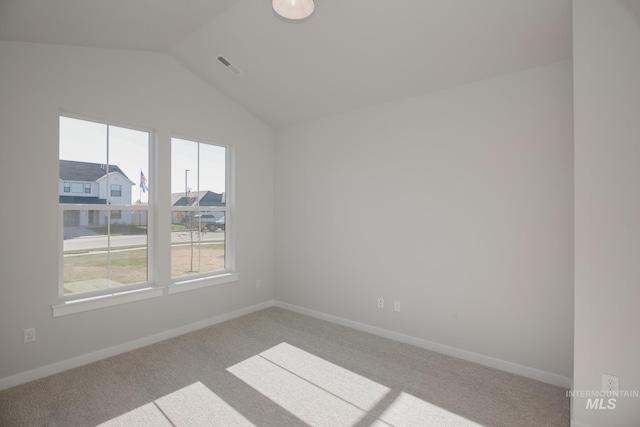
{"x":86,"y":141}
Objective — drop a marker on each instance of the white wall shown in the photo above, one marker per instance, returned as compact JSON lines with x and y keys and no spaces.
{"x":149,"y":90}
{"x":606,"y":39}
{"x":457,"y":203}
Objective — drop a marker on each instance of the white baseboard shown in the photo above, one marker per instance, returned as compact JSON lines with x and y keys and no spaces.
{"x":75,"y":362}
{"x":492,"y":362}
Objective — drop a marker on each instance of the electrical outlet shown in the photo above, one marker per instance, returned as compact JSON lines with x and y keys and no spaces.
{"x":258,"y":283}
{"x":396,"y":306}
{"x":610,"y":382}
{"x":29,"y":335}
{"x":380,"y":302}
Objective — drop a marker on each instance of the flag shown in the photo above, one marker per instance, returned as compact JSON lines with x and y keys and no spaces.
{"x":143,"y":182}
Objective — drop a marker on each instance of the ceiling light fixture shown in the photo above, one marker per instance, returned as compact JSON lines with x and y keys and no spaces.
{"x":293,"y":10}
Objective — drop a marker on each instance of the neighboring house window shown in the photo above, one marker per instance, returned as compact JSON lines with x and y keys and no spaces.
{"x":200,"y":213}
{"x":105,"y":241}
{"x":116,"y":190}
{"x":77,"y":187}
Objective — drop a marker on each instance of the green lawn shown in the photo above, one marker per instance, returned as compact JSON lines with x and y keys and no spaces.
{"x":85,"y":270}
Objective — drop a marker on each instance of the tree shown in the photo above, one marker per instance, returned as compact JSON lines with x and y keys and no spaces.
{"x":194,"y":231}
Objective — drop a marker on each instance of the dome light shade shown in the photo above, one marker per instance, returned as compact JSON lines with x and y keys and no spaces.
{"x":293,"y":10}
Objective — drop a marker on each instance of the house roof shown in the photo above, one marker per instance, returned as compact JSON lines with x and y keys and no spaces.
{"x":206,"y":197}
{"x":71,"y":170}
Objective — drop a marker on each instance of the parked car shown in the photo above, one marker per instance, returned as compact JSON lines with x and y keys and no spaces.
{"x":219,"y":224}
{"x":210,"y":222}
{"x":206,"y":220}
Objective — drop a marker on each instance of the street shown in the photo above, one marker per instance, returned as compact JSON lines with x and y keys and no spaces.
{"x":100,"y":241}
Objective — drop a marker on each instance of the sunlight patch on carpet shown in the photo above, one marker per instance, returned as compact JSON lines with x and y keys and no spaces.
{"x":321,"y":393}
{"x":314,"y":390}
{"x":350,"y":387}
{"x":304,"y":400}
{"x":194,"y":405}
{"x":407,"y":410}
{"x":147,"y":415}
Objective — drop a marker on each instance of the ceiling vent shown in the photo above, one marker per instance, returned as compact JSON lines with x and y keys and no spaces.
{"x":235,"y":70}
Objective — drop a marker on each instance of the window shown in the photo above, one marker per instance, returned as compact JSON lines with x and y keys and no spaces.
{"x":199,"y":211}
{"x":77,"y":187}
{"x":106,"y":212}
{"x":104,"y":240}
{"x":116,"y":190}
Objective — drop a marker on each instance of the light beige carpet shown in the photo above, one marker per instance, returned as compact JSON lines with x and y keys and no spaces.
{"x":279,"y":368}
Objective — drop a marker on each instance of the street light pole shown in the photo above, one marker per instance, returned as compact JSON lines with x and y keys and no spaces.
{"x":185,"y":184}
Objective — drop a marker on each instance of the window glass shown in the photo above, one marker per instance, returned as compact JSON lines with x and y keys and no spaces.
{"x":116,"y":190}
{"x":199,"y":208}
{"x":77,"y":187}
{"x":105,"y":240}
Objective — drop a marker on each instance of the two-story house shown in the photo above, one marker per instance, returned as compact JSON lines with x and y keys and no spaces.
{"x":91,"y":183}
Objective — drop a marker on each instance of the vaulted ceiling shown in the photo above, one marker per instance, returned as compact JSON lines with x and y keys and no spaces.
{"x":351,"y":54}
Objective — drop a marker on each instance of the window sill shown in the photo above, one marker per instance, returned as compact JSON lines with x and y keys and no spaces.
{"x":65,"y":308}
{"x":85,"y":304}
{"x":202,"y":282}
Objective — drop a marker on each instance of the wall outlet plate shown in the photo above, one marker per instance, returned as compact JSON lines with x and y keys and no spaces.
{"x":610,"y":382}
{"x":29,"y":335}
{"x":380,"y":302}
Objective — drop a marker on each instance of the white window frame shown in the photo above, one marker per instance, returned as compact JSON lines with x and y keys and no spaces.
{"x":90,"y":300}
{"x":229,"y":274}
